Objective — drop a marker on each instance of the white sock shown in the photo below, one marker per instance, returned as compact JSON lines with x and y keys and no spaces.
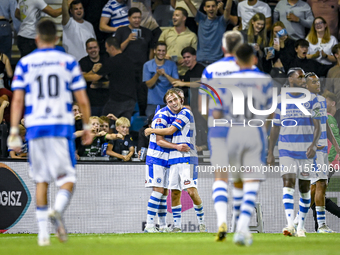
{"x":220,"y":197}
{"x":153,"y":205}
{"x":304,"y":207}
{"x":62,"y":199}
{"x":296,"y":220}
{"x":321,"y":215}
{"x":177,"y":215}
{"x":200,"y":213}
{"x":250,"y":190}
{"x":237,"y":201}
{"x":288,"y":202}
{"x":42,"y":218}
{"x":162,"y":211}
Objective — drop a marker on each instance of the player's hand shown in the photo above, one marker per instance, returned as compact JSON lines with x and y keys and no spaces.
{"x":311,"y":151}
{"x":119,"y":136}
{"x":182,"y":147}
{"x":271,"y":159}
{"x":87,"y":138}
{"x":14,"y":142}
{"x":148,"y":131}
{"x":111,"y":116}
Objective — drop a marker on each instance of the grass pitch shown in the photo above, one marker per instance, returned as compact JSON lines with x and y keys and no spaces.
{"x":168,"y":243}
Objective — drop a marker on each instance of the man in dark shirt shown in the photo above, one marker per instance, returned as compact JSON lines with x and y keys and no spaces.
{"x":194,"y":74}
{"x":137,"y":43}
{"x":97,"y":91}
{"x":308,"y":65}
{"x":122,"y":88}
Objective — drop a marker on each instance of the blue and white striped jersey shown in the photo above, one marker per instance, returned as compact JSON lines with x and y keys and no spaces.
{"x":48,"y":78}
{"x":186,"y":134}
{"x":294,"y":141}
{"x":117,"y":12}
{"x":159,"y":155}
{"x":259,"y":84}
{"x":324,"y":117}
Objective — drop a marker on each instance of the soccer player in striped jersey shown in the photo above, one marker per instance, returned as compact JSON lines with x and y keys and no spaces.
{"x":183,"y":171}
{"x":246,"y":145}
{"x":44,"y":81}
{"x":299,"y":136}
{"x":319,"y":184}
{"x":157,"y":170}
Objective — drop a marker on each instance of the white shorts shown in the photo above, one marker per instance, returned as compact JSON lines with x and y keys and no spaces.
{"x":156,"y":176}
{"x":321,"y":167}
{"x":303,"y":168}
{"x":183,"y":176}
{"x":247,"y":153}
{"x":52,"y":159}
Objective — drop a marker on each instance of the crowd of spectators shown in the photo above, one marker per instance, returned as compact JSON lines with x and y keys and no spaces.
{"x":129,"y":62}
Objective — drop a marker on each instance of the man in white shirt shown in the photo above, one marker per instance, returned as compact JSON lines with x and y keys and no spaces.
{"x":76,"y":30}
{"x":29,"y":12}
{"x":247,"y":9}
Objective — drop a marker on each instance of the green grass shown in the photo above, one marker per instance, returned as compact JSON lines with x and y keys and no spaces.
{"x":181,"y":243}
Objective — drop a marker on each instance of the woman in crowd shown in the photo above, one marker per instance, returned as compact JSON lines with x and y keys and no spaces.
{"x":5,"y":66}
{"x":284,"y":51}
{"x":256,"y":35}
{"x":321,"y":42}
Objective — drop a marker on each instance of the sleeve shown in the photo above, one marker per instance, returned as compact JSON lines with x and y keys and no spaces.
{"x":182,"y":119}
{"x":200,"y":16}
{"x":78,"y":81}
{"x":174,"y":71}
{"x":68,"y":24}
{"x":119,"y":35}
{"x":146,"y":73}
{"x":106,"y":12}
{"x":40,"y":4}
{"x":159,"y":122}
{"x":268,"y":11}
{"x":194,"y":42}
{"x":276,"y":14}
{"x":19,"y":76}
{"x":92,"y":31}
{"x":239,"y":11}
{"x":316,"y":109}
{"x":308,"y":18}
{"x":162,"y":36}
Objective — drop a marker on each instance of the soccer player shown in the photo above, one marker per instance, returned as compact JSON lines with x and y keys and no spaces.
{"x":157,"y":170}
{"x":246,"y":145}
{"x":319,"y":184}
{"x":183,"y":171}
{"x":217,"y":135}
{"x":45,"y":80}
{"x":297,"y":149}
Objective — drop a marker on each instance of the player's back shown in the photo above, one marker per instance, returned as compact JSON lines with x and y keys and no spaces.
{"x":186,"y":134}
{"x":48,"y":78}
{"x":260,"y":86}
{"x":156,"y":154}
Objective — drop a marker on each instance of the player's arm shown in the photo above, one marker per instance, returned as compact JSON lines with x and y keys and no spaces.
{"x":331,"y":137}
{"x":311,"y":150}
{"x":274,"y":135}
{"x":163,"y":131}
{"x":165,"y":144}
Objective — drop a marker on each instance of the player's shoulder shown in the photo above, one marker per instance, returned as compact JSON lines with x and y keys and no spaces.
{"x":221,"y":68}
{"x":185,"y":111}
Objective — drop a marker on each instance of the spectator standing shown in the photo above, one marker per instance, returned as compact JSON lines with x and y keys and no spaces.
{"x":7,"y":10}
{"x":158,"y":74}
{"x":296,"y":15}
{"x":177,"y":38}
{"x":114,"y":15}
{"x":97,"y":91}
{"x":76,"y":30}
{"x":137,"y":43}
{"x":29,"y":12}
{"x":321,"y":42}
{"x":122,"y":88}
{"x":247,"y":9}
{"x":210,"y":30}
